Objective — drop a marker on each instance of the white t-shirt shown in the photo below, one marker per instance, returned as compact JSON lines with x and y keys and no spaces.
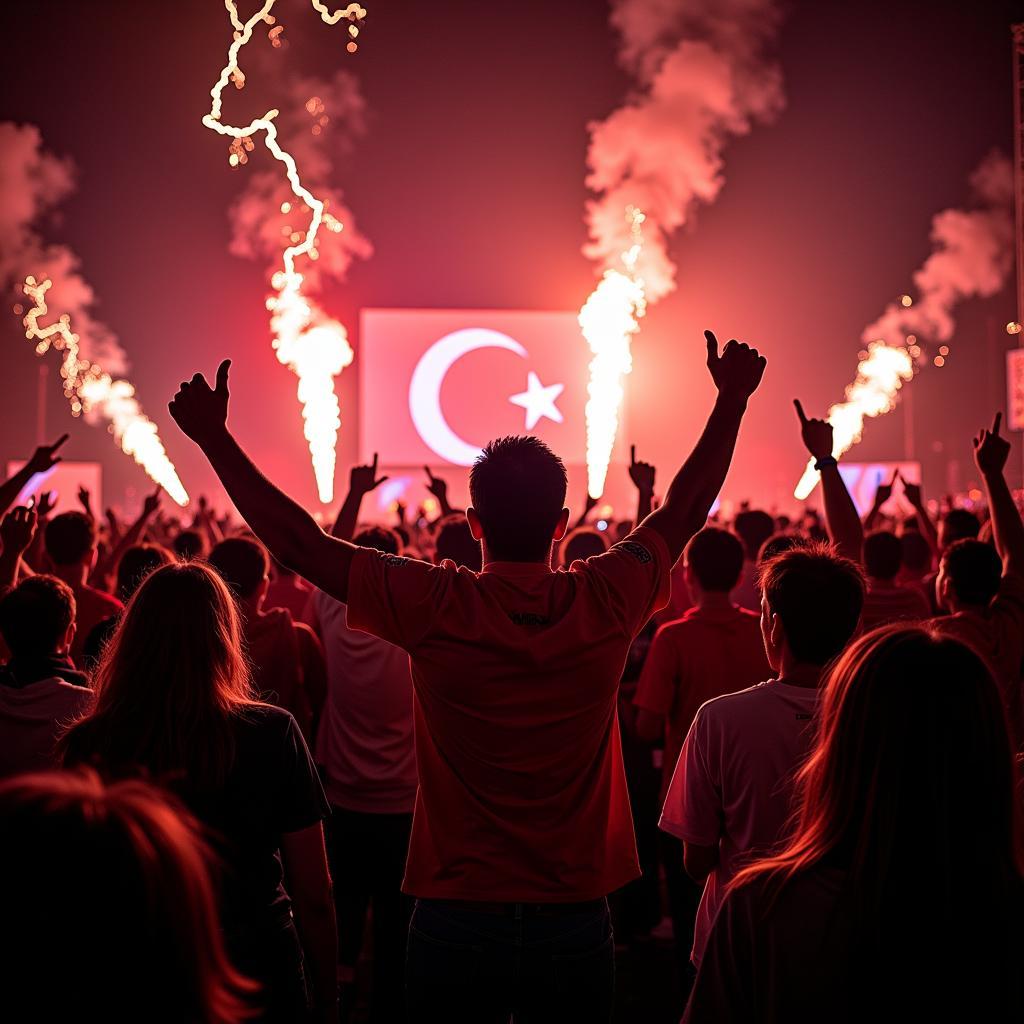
{"x":733,"y":783}
{"x":364,"y":742}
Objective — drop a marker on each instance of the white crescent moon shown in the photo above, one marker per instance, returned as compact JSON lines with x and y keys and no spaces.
{"x":425,"y":389}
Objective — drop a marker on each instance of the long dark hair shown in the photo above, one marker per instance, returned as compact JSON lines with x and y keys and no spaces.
{"x":170,"y":679}
{"x":912,"y":790}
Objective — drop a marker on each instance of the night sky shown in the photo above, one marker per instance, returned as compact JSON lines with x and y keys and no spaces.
{"x":469,"y":183}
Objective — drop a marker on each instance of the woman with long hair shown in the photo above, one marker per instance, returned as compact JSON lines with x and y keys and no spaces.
{"x":174,"y":703}
{"x":110,"y":907}
{"x":900,"y":894}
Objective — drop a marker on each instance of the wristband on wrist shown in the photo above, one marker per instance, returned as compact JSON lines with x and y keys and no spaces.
{"x":823,"y":463}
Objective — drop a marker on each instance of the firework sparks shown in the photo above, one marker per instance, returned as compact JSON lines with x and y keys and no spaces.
{"x":94,"y":394}
{"x":609,"y":319}
{"x":311,"y":344}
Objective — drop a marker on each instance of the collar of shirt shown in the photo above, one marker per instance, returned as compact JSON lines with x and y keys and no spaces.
{"x":518,"y":570}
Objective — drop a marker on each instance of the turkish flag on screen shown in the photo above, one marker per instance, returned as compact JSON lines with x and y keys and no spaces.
{"x":435,"y":385}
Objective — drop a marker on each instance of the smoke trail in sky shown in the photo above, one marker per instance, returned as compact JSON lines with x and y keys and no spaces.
{"x":972,"y":254}
{"x":33,"y":182}
{"x":702,"y":77}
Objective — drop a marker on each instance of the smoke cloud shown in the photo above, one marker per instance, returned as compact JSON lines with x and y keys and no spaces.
{"x":33,"y":184}
{"x":701,"y":78}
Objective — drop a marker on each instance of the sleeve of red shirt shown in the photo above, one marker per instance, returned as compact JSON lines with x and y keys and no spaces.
{"x":693,"y":804}
{"x":633,"y":577}
{"x":656,"y":689}
{"x":395,"y":598}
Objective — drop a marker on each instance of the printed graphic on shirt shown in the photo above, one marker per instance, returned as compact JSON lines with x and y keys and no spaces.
{"x":638,"y":551}
{"x":529,"y":619}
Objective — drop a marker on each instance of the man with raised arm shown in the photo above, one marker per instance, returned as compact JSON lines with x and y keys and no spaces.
{"x":522,"y":825}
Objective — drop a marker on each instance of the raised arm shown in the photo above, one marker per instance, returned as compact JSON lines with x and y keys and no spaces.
{"x":43,"y":458}
{"x":912,"y":492}
{"x":736,"y":372}
{"x":642,"y":475}
{"x":288,"y":530}
{"x":438,"y":487}
{"x":589,"y":504}
{"x":883,"y":492}
{"x":361,"y":480}
{"x":16,"y":533}
{"x":845,"y":529}
{"x":990,"y":453}
{"x":108,"y":564}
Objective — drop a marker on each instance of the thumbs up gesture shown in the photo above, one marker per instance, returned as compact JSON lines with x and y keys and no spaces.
{"x":202,"y":411}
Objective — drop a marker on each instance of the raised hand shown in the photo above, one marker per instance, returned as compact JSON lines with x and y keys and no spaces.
{"x":202,"y":411}
{"x":437,"y":486}
{"x":816,"y":434}
{"x":45,"y":501}
{"x":17,"y":530}
{"x":990,"y":450}
{"x":641,"y":473}
{"x":45,"y":457}
{"x":884,"y":491}
{"x":737,"y":372}
{"x":363,"y":479}
{"x":912,"y":492}
{"x":84,"y":499}
{"x":152,"y":502}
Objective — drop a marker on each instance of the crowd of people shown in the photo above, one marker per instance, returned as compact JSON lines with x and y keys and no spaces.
{"x":486,"y":749}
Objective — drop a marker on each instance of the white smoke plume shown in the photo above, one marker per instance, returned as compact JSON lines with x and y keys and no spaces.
{"x":33,"y":183}
{"x":972,"y":254}
{"x":702,"y":77}
{"x":319,"y":118}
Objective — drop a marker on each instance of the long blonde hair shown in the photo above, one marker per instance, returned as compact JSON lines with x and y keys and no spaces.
{"x":169,"y":681}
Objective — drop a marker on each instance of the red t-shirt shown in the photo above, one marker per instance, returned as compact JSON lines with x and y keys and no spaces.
{"x":92,"y":607}
{"x":706,"y":653}
{"x":515,"y":672}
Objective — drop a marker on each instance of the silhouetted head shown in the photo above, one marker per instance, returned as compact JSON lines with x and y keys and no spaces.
{"x":136,"y":564}
{"x":713,"y":559}
{"x":753,"y":527}
{"x":244,"y":566}
{"x":141,"y":939}
{"x":916,"y":551}
{"x":811,"y":604}
{"x":582,"y":543}
{"x":380,"y":538}
{"x":454,"y":541}
{"x":517,"y":487}
{"x":883,"y":555}
{"x":70,"y":540}
{"x":969,"y":575}
{"x":958,"y":524}
{"x":779,"y":542}
{"x":37,"y":617}
{"x":189,"y":544}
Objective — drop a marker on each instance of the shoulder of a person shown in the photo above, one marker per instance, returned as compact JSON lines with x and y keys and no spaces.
{"x":102,"y":597}
{"x":725,"y":706}
{"x":263,"y":718}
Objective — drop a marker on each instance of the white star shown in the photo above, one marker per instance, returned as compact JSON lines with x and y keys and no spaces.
{"x":538,"y":400}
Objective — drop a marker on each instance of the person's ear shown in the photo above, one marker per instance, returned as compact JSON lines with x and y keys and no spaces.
{"x":69,"y":636}
{"x":777,"y":632}
{"x":475,"y":527}
{"x":563,"y":525}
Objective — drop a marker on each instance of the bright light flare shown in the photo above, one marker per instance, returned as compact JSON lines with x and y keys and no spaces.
{"x":96,"y":395}
{"x":880,"y":375}
{"x":609,"y":319}
{"x":311,"y":344}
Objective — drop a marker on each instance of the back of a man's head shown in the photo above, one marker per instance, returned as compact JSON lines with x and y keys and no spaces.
{"x":70,"y":539}
{"x":818,"y":595}
{"x":715,"y":557}
{"x":380,"y":538}
{"x":35,"y":616}
{"x":917,"y":552}
{"x":883,"y":555}
{"x":242,"y":563}
{"x":584,"y":542}
{"x":753,"y":527}
{"x":973,"y":570}
{"x":454,"y":541}
{"x":517,"y":487}
{"x":189,"y":544}
{"x":958,"y":524}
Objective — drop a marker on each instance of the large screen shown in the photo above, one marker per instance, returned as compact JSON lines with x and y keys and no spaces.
{"x":437,"y":384}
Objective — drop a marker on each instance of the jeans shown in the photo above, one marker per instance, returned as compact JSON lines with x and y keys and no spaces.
{"x":367,"y":858}
{"x":544,"y":963}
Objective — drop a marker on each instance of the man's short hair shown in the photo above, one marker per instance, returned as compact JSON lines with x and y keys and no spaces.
{"x":189,"y":544}
{"x":35,"y":615}
{"x":819,"y":596}
{"x":517,"y":487}
{"x":917,"y":552}
{"x":582,"y":543}
{"x":455,"y":541}
{"x":242,"y":563}
{"x":69,"y":538}
{"x":380,"y":538}
{"x":883,"y":555}
{"x":779,"y":542}
{"x":716,"y":558}
{"x":958,"y":524}
{"x":137,"y":562}
{"x":753,"y":527}
{"x":974,"y":570}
